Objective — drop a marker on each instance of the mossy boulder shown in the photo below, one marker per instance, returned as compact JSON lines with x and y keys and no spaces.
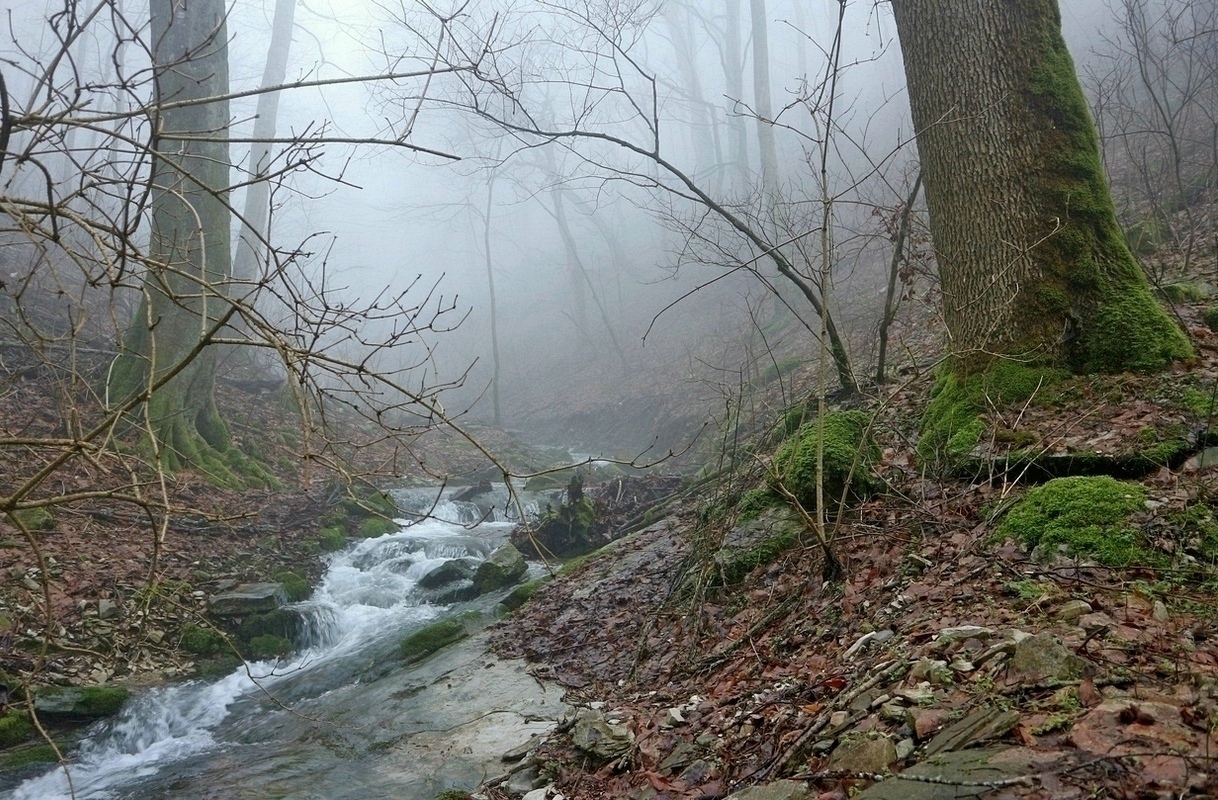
{"x":1091,"y":516}
{"x":755,"y":543}
{"x":425,"y":641}
{"x":446,"y":573}
{"x":503,"y":567}
{"x":330,"y":540}
{"x":27,"y":756}
{"x":201,"y":640}
{"x":87,"y":702}
{"x":850,"y":452}
{"x":280,"y":623}
{"x":373,"y":527}
{"x":267,"y":647}
{"x":296,"y":587}
{"x":15,"y":727}
{"x":36,"y":519}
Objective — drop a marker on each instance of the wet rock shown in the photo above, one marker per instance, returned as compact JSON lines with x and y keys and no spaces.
{"x":778,"y":790}
{"x":88,"y":702}
{"x":248,"y":598}
{"x":595,"y":734}
{"x":864,"y":755}
{"x":1042,"y":658}
{"x":468,"y":494}
{"x":504,"y":567}
{"x":446,"y":573}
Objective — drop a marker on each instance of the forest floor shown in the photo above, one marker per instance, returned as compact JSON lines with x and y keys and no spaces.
{"x":778,"y":675}
{"x":946,"y":650}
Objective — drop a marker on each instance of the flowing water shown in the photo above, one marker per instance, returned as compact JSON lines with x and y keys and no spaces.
{"x":318,"y":725}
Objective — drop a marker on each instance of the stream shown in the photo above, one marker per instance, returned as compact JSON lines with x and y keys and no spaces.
{"x":343,"y":718}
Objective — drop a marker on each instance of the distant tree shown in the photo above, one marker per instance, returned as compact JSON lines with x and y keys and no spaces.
{"x":1032,"y":261}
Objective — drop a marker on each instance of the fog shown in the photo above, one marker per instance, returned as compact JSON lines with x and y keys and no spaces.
{"x":612,"y":279}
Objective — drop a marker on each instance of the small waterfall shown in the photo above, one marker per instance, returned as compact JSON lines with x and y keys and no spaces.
{"x":368,"y":599}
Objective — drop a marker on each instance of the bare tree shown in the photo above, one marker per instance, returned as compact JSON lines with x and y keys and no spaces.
{"x":1154,"y":91}
{"x":614,"y":126}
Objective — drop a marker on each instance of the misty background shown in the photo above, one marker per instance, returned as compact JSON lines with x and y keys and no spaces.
{"x":623,"y":313}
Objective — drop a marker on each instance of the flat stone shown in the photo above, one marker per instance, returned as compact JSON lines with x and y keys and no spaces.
{"x":983,"y":725}
{"x":948,"y":636}
{"x":248,"y":598}
{"x":968,"y":766}
{"x":864,"y":755}
{"x":778,"y":790}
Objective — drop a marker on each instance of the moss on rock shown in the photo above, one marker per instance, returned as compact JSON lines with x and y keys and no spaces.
{"x":25,"y":756}
{"x":15,"y":727}
{"x":201,"y":640}
{"x":268,"y":646}
{"x":297,"y":588}
{"x":425,"y":641}
{"x":523,"y":593}
{"x":1089,"y":515}
{"x":376,"y":526}
{"x":849,"y":453}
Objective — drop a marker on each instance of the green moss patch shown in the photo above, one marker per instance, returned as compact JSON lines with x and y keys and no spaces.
{"x":849,"y":453}
{"x":1090,"y":515}
{"x":951,"y":424}
{"x":375,"y":526}
{"x":297,"y":588}
{"x":15,"y":727}
{"x":425,"y":641}
{"x":25,"y":756}
{"x":523,"y":593}
{"x":201,"y":640}
{"x":330,"y":540}
{"x":735,"y":565}
{"x":268,"y":646}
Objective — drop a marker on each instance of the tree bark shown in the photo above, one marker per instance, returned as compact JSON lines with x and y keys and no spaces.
{"x":1032,"y":261}
{"x":189,"y":257}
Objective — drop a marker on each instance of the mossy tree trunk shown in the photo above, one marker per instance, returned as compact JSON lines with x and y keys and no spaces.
{"x":1032,"y":261}
{"x":189,"y":250}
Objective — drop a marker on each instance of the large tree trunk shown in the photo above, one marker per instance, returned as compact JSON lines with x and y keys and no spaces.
{"x":189,"y":256}
{"x":1032,"y":262}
